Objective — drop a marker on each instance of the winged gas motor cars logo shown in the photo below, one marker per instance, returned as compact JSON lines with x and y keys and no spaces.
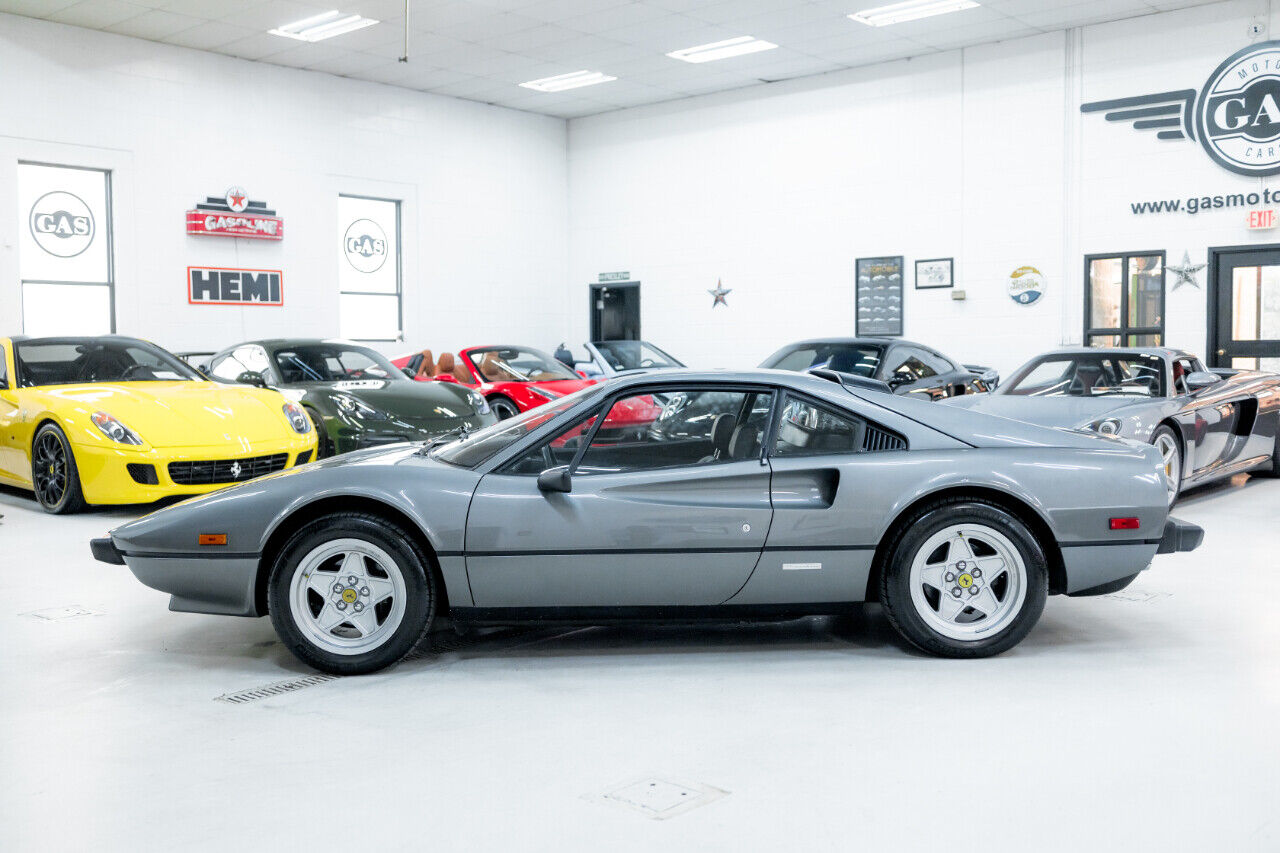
{"x":1235,"y":117}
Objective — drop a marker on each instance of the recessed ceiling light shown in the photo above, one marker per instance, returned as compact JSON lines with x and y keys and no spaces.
{"x":722,"y":49}
{"x":322,"y":27}
{"x":912,"y":10}
{"x":562,"y":82}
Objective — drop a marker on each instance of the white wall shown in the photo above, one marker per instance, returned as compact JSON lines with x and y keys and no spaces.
{"x":484,"y":188}
{"x":979,"y":154}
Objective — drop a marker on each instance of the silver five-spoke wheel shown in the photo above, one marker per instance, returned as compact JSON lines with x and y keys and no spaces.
{"x":968,"y":581}
{"x":348,"y":596}
{"x":1172,"y":461}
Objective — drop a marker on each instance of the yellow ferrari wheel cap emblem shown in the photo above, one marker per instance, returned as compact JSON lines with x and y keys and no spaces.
{"x":349,"y":595}
{"x":965,"y":580}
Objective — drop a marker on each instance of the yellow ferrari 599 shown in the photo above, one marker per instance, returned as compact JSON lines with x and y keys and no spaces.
{"x":115,"y":420}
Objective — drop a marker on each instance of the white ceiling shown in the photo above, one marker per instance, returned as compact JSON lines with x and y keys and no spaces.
{"x":481,"y":49}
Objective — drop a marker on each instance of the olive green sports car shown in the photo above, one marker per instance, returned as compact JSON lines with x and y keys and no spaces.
{"x":353,"y":394}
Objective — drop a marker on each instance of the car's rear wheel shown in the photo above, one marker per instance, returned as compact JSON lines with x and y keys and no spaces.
{"x":351,"y":593}
{"x":54,"y":475}
{"x":503,"y":408}
{"x":966,"y":579}
{"x":1166,"y":441}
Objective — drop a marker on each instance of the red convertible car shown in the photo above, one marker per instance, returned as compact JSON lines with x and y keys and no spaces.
{"x":515,"y":379}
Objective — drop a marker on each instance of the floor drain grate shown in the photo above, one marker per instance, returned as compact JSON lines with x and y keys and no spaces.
{"x":279,"y":688}
{"x":660,"y":799}
{"x":54,"y":614}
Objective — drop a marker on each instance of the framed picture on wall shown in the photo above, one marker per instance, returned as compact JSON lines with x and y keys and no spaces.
{"x":935,"y":272}
{"x":878,"y":296}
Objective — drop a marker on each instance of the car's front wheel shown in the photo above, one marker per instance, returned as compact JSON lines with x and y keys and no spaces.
{"x":966,"y":579}
{"x":351,"y":593}
{"x":503,"y":408}
{"x":54,"y":475}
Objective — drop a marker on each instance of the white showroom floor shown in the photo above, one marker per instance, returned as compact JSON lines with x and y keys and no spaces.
{"x":1144,"y":720}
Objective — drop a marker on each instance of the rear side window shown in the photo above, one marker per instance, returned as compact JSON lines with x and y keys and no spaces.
{"x":4,"y":368}
{"x":806,"y":429}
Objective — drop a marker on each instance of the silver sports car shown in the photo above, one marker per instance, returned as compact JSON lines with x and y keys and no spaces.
{"x":761,"y":494}
{"x":1206,"y":425}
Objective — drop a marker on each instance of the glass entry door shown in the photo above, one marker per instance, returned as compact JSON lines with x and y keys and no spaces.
{"x":1247,"y":305}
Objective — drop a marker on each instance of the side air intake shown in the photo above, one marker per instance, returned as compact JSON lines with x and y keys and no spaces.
{"x":875,"y":439}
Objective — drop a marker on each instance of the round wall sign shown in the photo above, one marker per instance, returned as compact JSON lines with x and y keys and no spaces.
{"x":365,"y":245}
{"x":1026,"y":285}
{"x":61,"y":224}
{"x":237,"y":199}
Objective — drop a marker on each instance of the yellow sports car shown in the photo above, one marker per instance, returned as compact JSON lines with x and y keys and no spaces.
{"x":115,"y":420}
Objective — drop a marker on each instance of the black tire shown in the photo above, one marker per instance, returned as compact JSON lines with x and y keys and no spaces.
{"x":413,"y":564}
{"x":54,"y":475}
{"x":895,"y":582}
{"x":1169,"y":432}
{"x":503,"y":407}
{"x":324,"y":446}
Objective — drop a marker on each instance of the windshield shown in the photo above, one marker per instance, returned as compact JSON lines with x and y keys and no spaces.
{"x":1089,"y":375}
{"x":479,"y":446}
{"x":633,"y":355}
{"x":333,"y":363}
{"x":858,"y":359}
{"x":518,"y":364}
{"x":72,"y":361}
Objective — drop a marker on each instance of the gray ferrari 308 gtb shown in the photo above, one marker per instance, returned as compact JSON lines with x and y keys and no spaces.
{"x":762,"y":494}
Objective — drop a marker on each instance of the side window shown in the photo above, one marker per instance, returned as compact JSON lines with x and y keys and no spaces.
{"x":909,"y":365}
{"x":938,"y":362}
{"x":660,"y":429}
{"x":4,"y":368}
{"x":805,"y":428}
{"x":226,"y":368}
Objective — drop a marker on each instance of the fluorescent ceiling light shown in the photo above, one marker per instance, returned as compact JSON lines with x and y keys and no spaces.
{"x":562,"y":82}
{"x":722,"y":49}
{"x":912,"y":10}
{"x":320,"y":27}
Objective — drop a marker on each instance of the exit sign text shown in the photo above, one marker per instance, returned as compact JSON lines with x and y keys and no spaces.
{"x":1261,"y":220}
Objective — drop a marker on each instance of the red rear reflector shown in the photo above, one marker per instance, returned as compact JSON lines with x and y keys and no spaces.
{"x":221,"y":538}
{"x":1121,"y":524}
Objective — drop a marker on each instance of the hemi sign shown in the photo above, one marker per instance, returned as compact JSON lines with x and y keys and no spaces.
{"x":223,"y":286}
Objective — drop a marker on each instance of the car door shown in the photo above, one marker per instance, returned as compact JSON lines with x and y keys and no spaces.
{"x":14,"y":465}
{"x":668,"y":505}
{"x":826,"y":463}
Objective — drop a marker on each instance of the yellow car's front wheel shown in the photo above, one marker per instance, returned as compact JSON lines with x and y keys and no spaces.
{"x":53,"y":472}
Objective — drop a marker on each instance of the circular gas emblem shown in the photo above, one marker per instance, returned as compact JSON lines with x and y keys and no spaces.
{"x":61,"y":224}
{"x":1238,"y":112}
{"x":1026,"y":285}
{"x":237,"y":199}
{"x":365,"y":245}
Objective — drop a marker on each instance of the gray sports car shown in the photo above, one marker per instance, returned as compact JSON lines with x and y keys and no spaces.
{"x":761,"y":494}
{"x":1206,"y":424}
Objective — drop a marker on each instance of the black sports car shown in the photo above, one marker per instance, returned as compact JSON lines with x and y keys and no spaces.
{"x":354,"y":395}
{"x":905,"y":366}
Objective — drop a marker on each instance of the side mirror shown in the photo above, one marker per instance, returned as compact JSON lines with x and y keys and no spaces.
{"x":408,"y":371}
{"x":896,"y":381}
{"x":1201,"y":380}
{"x":555,"y":480}
{"x":445,"y":377}
{"x":251,"y":378}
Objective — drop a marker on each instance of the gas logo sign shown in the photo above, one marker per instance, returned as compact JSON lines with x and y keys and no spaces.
{"x":365,"y":245}
{"x":61,"y":224}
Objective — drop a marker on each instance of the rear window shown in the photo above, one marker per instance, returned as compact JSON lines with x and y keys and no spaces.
{"x":858,"y":359}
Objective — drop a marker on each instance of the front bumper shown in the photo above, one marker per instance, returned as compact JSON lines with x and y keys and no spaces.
{"x":219,"y":583}
{"x":1180,"y":536}
{"x":106,"y":476}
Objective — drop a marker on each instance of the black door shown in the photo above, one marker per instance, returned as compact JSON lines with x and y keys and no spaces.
{"x":615,"y":311}
{"x":1244,"y":307}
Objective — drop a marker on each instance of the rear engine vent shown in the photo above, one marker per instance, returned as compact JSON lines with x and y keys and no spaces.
{"x":876,"y":439}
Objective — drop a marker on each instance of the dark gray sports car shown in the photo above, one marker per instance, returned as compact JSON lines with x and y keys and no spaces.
{"x":1206,"y":424}
{"x":905,"y":366}
{"x":752,"y":494}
